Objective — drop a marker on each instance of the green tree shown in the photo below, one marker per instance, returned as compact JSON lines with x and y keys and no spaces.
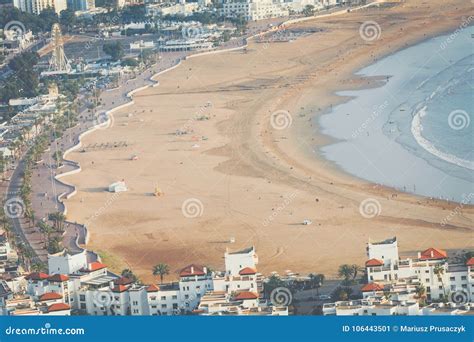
{"x":114,"y":50}
{"x":161,"y":270}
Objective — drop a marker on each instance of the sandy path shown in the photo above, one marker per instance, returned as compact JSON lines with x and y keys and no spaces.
{"x":255,"y":183}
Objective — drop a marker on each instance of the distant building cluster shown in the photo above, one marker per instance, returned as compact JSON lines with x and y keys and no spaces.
{"x":33,"y":114}
{"x":75,"y":285}
{"x":397,"y":285}
{"x":249,"y":10}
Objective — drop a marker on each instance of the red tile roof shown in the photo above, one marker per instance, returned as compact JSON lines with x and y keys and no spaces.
{"x":433,"y":253}
{"x":373,"y":262}
{"x":470,"y":262}
{"x":50,"y":296}
{"x":248,"y":271}
{"x":152,"y":288}
{"x":58,"y":307}
{"x":245,"y":295}
{"x":372,"y":287}
{"x":119,"y":288}
{"x":94,"y":266}
{"x":58,"y":278}
{"x":192,"y":270}
{"x":37,"y":276}
{"x":123,"y":281}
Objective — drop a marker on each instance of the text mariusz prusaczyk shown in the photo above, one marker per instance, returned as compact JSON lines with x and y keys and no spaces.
{"x":403,"y":329}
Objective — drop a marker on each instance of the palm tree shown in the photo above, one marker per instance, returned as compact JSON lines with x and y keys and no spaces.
{"x":347,"y":272}
{"x":58,"y":219}
{"x":161,"y":270}
{"x":316,"y":281}
{"x":439,"y":271}
{"x":421,"y":293}
{"x":46,"y":230}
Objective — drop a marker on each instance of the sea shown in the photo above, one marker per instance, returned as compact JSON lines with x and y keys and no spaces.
{"x":415,"y":132}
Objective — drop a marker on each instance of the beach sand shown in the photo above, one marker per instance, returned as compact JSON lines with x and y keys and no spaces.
{"x":255,"y":183}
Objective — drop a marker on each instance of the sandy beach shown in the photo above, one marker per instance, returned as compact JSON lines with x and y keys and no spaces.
{"x":248,"y":180}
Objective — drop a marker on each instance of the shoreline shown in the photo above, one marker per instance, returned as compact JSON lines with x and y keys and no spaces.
{"x":353,"y":96}
{"x":215,"y":153}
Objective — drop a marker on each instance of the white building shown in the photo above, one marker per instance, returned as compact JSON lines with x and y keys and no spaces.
{"x":253,"y":9}
{"x":90,"y":288}
{"x":37,"y":6}
{"x":431,"y":267}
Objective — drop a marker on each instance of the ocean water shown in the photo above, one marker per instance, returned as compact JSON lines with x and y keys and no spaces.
{"x":416,"y":131}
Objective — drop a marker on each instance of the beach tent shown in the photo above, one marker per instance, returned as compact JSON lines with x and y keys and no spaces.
{"x":117,"y":187}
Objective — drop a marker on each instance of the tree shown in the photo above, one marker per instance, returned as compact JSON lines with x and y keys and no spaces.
{"x":54,"y":245}
{"x":439,"y":271}
{"x":58,"y":219}
{"x":46,"y":230}
{"x":273,"y":282}
{"x":308,"y":11}
{"x":161,"y":270}
{"x":341,"y":293}
{"x":128,"y":273}
{"x":421,"y":294}
{"x":347,"y":272}
{"x":316,"y":281}
{"x":114,"y":50}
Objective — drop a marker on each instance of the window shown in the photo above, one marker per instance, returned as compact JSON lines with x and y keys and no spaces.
{"x":153,"y":306}
{"x":174,"y":297}
{"x":82,"y":298}
{"x":452,"y":278}
{"x":163,"y":306}
{"x":427,"y":280}
{"x":163,"y":297}
{"x":134,"y":302}
{"x":463,"y":277}
{"x":464,"y":286}
{"x":186,"y":296}
{"x":153,"y":298}
{"x":440,"y":287}
{"x":135,"y":311}
{"x":175,"y":306}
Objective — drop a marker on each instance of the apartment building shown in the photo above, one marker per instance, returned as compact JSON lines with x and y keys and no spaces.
{"x":37,"y":6}
{"x":90,"y":288}
{"x":431,"y":267}
{"x":252,"y":10}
